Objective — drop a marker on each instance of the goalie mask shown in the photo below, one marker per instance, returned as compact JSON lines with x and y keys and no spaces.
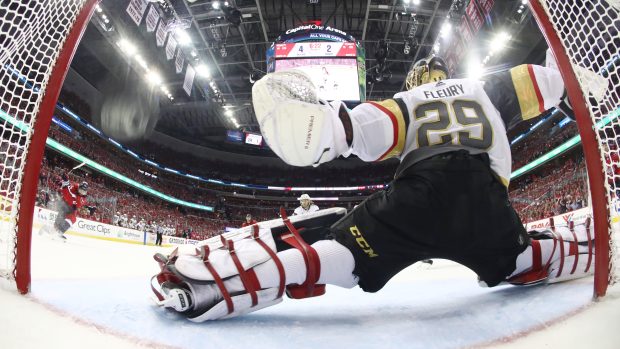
{"x":427,"y":70}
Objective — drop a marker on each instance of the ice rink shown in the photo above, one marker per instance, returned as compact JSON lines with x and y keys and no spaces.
{"x":96,"y":294}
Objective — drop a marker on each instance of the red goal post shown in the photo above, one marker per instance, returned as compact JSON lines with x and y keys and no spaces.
{"x":37,"y":42}
{"x":584,"y":37}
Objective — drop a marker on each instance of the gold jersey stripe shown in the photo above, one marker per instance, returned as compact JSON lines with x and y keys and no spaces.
{"x":527,"y":91}
{"x":505,"y":182}
{"x":391,"y":108}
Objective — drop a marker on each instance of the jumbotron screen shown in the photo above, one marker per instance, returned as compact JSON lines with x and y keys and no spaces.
{"x":334,"y":78}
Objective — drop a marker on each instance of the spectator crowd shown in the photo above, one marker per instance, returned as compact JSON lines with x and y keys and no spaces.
{"x":554,"y":188}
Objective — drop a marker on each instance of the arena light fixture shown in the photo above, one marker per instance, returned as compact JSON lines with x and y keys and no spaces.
{"x":154,"y":78}
{"x":141,"y":61}
{"x":446,"y":29}
{"x":416,"y":2}
{"x":127,"y":47}
{"x":215,"y":5}
{"x":203,"y":70}
{"x":183,"y":37}
{"x":499,"y":42}
{"x":475,"y":70}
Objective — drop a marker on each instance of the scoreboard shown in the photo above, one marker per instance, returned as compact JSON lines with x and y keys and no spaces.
{"x":332,"y":59}
{"x":315,"y":49}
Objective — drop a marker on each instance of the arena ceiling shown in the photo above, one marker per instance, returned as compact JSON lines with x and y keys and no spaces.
{"x":232,"y":41}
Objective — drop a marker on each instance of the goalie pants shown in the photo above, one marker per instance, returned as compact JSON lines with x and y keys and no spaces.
{"x":450,"y":206}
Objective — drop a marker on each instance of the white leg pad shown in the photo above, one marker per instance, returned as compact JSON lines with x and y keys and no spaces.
{"x":249,"y":251}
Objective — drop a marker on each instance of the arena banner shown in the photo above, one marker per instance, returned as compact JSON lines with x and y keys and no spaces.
{"x":171,"y":47}
{"x":161,"y":33}
{"x":577,"y":216}
{"x":152,"y":18}
{"x":136,"y":9}
{"x":188,"y":82}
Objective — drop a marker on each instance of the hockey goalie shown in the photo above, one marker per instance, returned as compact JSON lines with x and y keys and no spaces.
{"x":448,"y":199}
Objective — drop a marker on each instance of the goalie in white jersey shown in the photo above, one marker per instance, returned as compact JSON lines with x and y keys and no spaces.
{"x":449,"y":198}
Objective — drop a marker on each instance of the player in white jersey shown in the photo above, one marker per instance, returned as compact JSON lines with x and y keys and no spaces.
{"x":449,"y":198}
{"x":306,"y":205}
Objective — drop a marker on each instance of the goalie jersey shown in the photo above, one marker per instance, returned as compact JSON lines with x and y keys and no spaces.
{"x":455,"y":114}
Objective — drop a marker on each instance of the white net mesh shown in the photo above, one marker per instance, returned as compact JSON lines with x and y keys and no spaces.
{"x":32,"y":34}
{"x":590,"y":34}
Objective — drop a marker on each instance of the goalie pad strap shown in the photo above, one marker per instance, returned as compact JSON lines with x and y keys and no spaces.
{"x":537,"y":273}
{"x":250,"y":283}
{"x":574,"y":247}
{"x":536,"y":255}
{"x":558,"y":238}
{"x":274,"y":257}
{"x":313,"y":264}
{"x":204,"y":253}
{"x":164,"y":278}
{"x":590,"y":245}
{"x":164,"y":275}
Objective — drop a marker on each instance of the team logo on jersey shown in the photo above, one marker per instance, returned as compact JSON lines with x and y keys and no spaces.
{"x":363,"y":244}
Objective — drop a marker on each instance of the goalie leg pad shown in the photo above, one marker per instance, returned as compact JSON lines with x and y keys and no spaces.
{"x":220,"y":275}
{"x":309,"y":288}
{"x":559,"y":254}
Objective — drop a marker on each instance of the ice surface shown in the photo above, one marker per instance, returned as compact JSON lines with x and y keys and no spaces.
{"x":96,"y":293}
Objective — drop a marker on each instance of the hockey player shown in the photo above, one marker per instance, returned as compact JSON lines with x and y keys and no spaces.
{"x":248,"y":221}
{"x":116,"y":219}
{"x":73,"y":201}
{"x":449,"y":198}
{"x":133,"y":222}
{"x":306,"y":205}
{"x":142,"y":225}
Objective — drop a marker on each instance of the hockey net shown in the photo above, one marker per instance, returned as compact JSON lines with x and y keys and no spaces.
{"x":37,"y":41}
{"x":584,"y":36}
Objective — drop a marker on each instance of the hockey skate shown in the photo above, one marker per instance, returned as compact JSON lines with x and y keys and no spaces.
{"x":217,"y":279}
{"x":53,"y":233}
{"x":567,"y":254}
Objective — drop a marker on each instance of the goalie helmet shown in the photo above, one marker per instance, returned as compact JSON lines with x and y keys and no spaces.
{"x":427,"y":70}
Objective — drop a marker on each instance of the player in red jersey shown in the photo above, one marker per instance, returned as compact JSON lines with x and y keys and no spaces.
{"x":73,"y":201}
